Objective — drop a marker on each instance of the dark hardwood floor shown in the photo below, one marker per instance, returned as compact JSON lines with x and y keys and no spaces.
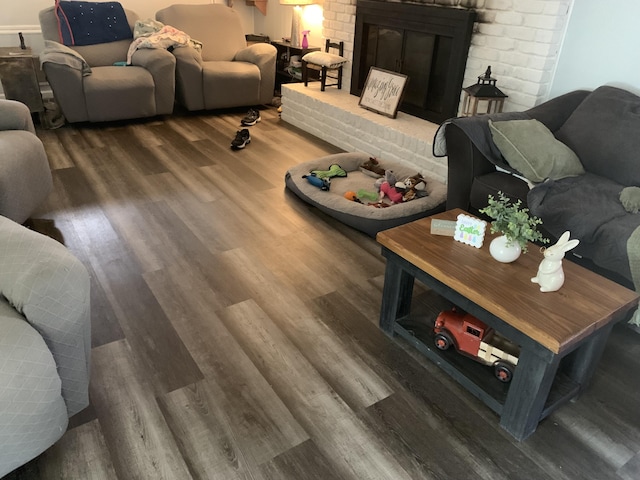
{"x":235,"y":330}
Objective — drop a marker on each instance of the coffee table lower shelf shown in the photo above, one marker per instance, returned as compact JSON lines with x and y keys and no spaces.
{"x":479,"y":379}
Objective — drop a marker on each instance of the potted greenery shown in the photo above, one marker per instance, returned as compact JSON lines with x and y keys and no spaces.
{"x":516,"y":226}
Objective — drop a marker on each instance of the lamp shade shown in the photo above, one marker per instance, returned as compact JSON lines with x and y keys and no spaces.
{"x":296,"y":19}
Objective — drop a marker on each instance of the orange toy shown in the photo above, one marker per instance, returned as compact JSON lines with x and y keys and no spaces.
{"x":349,"y":195}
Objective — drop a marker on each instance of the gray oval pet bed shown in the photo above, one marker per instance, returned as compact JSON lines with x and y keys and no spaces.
{"x":362,"y":216}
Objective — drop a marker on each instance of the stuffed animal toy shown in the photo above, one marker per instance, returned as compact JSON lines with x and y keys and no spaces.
{"x":321,"y":183}
{"x":367,"y":195}
{"x":351,"y":196}
{"x":412,"y":187}
{"x":355,"y":197}
{"x":372,"y":168}
{"x":334,"y":171}
{"x":386,"y":188}
{"x":389,"y":177}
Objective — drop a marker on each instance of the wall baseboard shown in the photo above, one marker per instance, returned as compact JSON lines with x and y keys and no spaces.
{"x":25,"y":29}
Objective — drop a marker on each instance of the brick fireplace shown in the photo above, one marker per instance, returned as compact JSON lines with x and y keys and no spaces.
{"x":520,"y":39}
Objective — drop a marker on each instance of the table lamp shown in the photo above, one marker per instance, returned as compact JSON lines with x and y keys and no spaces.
{"x":296,"y":19}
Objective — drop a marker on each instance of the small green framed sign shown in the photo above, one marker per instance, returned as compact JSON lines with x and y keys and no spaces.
{"x":470,"y":230}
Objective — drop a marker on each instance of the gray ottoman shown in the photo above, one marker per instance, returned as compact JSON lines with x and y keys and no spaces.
{"x":362,"y":217}
{"x":25,"y":176}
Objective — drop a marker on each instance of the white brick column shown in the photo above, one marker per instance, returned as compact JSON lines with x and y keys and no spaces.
{"x":340,"y":25}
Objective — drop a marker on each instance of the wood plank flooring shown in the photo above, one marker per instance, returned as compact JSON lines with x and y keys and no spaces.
{"x":235,"y":330}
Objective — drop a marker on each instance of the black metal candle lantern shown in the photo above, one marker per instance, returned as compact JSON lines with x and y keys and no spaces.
{"x":484,"y":90}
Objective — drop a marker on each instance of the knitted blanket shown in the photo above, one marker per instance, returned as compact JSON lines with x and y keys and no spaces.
{"x":153,"y":34}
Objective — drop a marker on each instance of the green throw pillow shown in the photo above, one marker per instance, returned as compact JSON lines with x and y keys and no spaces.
{"x":530,"y":147}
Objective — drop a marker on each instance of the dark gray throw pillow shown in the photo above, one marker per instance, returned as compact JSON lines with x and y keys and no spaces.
{"x":603,"y":131}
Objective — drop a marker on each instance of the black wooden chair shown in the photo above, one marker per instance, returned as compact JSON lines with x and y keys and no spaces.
{"x":325,"y":62}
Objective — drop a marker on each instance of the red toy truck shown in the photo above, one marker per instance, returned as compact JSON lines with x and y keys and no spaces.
{"x":477,"y":340}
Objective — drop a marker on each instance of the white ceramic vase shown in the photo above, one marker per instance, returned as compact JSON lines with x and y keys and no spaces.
{"x":502,"y":252}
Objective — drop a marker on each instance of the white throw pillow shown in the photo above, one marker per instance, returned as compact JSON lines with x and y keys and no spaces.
{"x":324,"y":59}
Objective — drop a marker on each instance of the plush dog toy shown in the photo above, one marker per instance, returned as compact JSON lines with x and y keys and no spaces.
{"x":372,"y":168}
{"x":321,"y":183}
{"x":388,"y":190}
{"x":335,"y":170}
{"x":386,"y":187}
{"x":412,"y":187}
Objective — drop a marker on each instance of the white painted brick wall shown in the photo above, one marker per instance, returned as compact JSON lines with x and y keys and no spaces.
{"x":335,"y":116}
{"x":510,"y":35}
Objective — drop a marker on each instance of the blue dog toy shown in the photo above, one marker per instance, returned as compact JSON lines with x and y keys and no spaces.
{"x":321,"y":183}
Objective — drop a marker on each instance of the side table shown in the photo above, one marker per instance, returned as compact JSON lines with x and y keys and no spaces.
{"x":20,"y":75}
{"x":285,"y":74}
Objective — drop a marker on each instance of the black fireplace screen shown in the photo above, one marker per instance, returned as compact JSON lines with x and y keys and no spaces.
{"x":429,"y":44}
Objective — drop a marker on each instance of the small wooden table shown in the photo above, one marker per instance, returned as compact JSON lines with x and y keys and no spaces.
{"x":19,"y":71}
{"x":561,"y":334}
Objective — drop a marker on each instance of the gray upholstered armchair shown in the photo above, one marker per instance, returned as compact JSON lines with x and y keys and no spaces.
{"x":25,"y":176}
{"x":226,"y":73}
{"x":88,"y":87}
{"x":45,"y":342}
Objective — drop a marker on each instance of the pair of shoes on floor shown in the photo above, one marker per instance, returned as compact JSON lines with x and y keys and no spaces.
{"x":243,"y":137}
{"x":252,"y":117}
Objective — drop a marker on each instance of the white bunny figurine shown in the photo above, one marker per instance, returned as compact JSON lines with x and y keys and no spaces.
{"x":550,"y":273}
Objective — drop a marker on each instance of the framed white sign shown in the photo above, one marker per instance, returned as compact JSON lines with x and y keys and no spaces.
{"x":470,"y":230}
{"x":383,"y":90}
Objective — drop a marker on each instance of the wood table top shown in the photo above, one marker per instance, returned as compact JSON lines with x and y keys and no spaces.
{"x":557,"y":320}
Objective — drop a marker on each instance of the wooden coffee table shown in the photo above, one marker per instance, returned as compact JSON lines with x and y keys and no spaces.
{"x":561,"y":334}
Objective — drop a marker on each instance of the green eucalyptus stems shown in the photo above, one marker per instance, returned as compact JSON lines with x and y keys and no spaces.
{"x":513,"y":222}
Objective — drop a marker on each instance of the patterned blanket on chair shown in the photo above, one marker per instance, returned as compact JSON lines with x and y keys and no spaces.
{"x":153,"y":34}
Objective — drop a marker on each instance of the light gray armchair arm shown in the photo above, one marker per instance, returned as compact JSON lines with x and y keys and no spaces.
{"x":263,"y":55}
{"x":66,"y":82}
{"x":15,"y":116}
{"x":189,"y":72}
{"x":161,"y":64}
{"x":49,"y":286}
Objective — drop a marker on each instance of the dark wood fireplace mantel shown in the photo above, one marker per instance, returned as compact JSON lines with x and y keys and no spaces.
{"x":429,"y":44}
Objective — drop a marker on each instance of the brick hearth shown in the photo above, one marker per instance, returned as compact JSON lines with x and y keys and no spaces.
{"x":334,"y":116}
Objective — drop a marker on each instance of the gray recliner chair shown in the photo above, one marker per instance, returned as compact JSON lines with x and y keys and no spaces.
{"x":45,"y":342}
{"x":25,"y":175}
{"x":90,"y":88}
{"x":226,"y":73}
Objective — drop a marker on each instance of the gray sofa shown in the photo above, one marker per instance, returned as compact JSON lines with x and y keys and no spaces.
{"x":601,"y":128}
{"x":90,"y":88}
{"x":25,"y":176}
{"x":226,"y":73}
{"x":45,"y":342}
